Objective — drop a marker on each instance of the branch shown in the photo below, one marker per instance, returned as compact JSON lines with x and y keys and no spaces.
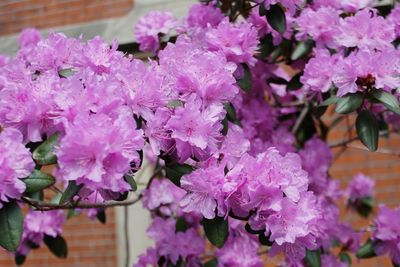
{"x":46,"y":206}
{"x":300,"y":119}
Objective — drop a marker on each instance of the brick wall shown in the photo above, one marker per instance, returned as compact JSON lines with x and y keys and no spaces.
{"x":19,"y":14}
{"x":90,"y":244}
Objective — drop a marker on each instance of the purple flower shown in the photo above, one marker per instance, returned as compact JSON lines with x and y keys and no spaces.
{"x":240,"y":249}
{"x":360,"y":71}
{"x":37,"y":224}
{"x":238,"y":42}
{"x":173,"y":245}
{"x":329,"y":260}
{"x":160,"y":193}
{"x":321,"y":25}
{"x":191,"y":70}
{"x":366,"y":30}
{"x":318,"y":71}
{"x":361,"y":186}
{"x":194,"y":129}
{"x":203,"y":190}
{"x":29,"y":37}
{"x":97,"y":151}
{"x":150,"y":27}
{"x":15,"y":163}
{"x":387,"y":233}
{"x":201,"y":15}
{"x":394,"y":18}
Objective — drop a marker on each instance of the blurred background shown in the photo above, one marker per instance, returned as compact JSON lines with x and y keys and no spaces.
{"x":123,"y":237}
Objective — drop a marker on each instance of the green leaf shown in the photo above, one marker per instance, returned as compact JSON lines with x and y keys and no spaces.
{"x":313,"y":258}
{"x":365,"y":206}
{"x":345,"y":257}
{"x":38,"y":181}
{"x":11,"y":221}
{"x":131,"y":181}
{"x":366,"y":251}
{"x":246,"y":80}
{"x":101,"y":216}
{"x":65,"y":73}
{"x":264,"y":240}
{"x":211,"y":263}
{"x":276,"y":18}
{"x":44,"y":154}
{"x":56,"y":245}
{"x":295,"y":83}
{"x":395,"y":265}
{"x":175,"y":171}
{"x":216,"y":230}
{"x":302,"y":49}
{"x":368,"y":129}
{"x":181,"y":225}
{"x":71,"y":191}
{"x":230,"y":112}
{"x":175,"y":103}
{"x":388,"y":100}
{"x":331,"y":100}
{"x":19,"y":259}
{"x":349,"y":103}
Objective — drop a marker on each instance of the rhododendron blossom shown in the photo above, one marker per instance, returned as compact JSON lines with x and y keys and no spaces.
{"x":233,"y":106}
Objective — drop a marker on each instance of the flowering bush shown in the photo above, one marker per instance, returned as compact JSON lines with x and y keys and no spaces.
{"x":228,"y":108}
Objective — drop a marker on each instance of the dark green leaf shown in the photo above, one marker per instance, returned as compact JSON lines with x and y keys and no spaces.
{"x":365,"y":206}
{"x":216,"y":230}
{"x":71,"y":191}
{"x":175,"y":171}
{"x":56,"y":245}
{"x":181,"y":225}
{"x":266,"y":46}
{"x":131,"y":181}
{"x":331,"y":100}
{"x":246,"y":80}
{"x":264,"y":240}
{"x":11,"y":221}
{"x":313,"y":258}
{"x":38,"y":181}
{"x":366,"y":251}
{"x":262,"y":11}
{"x":276,"y":18}
{"x":19,"y":259}
{"x":101,"y":216}
{"x":211,"y":263}
{"x":44,"y":154}
{"x":294,"y":83}
{"x":349,"y":103}
{"x":230,"y":112}
{"x":302,"y":49}
{"x":368,"y":129}
{"x":388,"y":100}
{"x":395,"y":265}
{"x":344,"y":257}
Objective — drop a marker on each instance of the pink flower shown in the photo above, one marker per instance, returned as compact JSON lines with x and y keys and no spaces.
{"x":194,"y":129}
{"x":238,"y":42}
{"x":321,"y":25}
{"x":330,"y":260}
{"x":97,"y":151}
{"x":366,"y":30}
{"x":37,"y":224}
{"x":387,"y":233}
{"x":294,"y":220}
{"x":360,"y":71}
{"x":201,"y":15}
{"x":203,"y":190}
{"x":318,"y":71}
{"x":160,"y":193}
{"x":191,"y":70}
{"x":150,"y":27}
{"x":361,"y":186}
{"x":29,"y":37}
{"x":394,"y":18}
{"x":15,"y":162}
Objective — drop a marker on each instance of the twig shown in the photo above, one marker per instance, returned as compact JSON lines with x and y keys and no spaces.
{"x":300,"y":119}
{"x":46,"y":206}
